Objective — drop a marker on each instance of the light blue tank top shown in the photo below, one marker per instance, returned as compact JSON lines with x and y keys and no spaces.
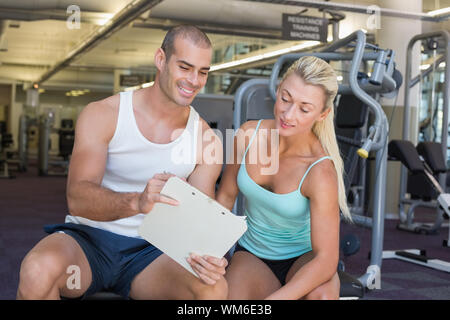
{"x":278,"y":224}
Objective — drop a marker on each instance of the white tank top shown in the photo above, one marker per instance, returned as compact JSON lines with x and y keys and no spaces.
{"x":133,"y":160}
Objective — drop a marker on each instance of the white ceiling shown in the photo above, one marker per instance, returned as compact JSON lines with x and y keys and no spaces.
{"x":34,"y":46}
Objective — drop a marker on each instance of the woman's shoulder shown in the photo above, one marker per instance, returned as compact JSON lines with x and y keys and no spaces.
{"x":252,"y":124}
{"x":322,"y":164}
{"x":321,"y":177}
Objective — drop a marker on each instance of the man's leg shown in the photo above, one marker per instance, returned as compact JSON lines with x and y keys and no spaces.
{"x":44,"y":271}
{"x":166,"y":279}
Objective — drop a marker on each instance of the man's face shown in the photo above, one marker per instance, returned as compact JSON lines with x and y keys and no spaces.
{"x":186,"y":71}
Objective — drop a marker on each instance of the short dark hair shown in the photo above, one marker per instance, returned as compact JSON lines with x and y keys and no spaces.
{"x":197,"y":36}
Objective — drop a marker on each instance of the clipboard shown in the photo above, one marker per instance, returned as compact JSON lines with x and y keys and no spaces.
{"x":199,"y":224}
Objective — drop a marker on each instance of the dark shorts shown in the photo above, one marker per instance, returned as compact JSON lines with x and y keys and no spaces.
{"x":279,"y":267}
{"x":115,"y":260}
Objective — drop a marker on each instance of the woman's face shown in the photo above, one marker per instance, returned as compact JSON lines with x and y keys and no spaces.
{"x":298,"y":106}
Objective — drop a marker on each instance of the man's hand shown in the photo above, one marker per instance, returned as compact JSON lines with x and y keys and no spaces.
{"x":209,"y":269}
{"x":151,"y":194}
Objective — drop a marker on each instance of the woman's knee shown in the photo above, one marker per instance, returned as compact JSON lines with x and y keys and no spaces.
{"x":323,"y":294}
{"x":327,"y":291}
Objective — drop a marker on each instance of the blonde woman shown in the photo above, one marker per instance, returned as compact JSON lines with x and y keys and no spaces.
{"x":291,"y":247}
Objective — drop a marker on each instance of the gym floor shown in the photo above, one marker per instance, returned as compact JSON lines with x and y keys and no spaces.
{"x":28,"y":202}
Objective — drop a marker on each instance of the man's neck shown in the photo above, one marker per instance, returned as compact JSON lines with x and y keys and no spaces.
{"x":153,"y":102}
{"x":154,"y":99}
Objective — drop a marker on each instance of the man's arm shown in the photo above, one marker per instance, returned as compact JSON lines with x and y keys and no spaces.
{"x":85,"y":195}
{"x":228,"y":189}
{"x":209,"y":160}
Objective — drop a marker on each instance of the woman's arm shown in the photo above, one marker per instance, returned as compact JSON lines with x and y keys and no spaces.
{"x":320,"y":186}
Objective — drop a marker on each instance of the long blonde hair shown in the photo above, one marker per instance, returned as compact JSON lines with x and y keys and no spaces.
{"x":315,"y":71}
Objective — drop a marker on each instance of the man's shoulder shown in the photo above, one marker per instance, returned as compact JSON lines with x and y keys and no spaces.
{"x":109,"y":105}
{"x":100,"y":116}
{"x":203,"y":123}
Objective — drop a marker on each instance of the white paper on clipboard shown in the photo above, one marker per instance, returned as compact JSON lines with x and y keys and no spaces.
{"x":198,"y":224}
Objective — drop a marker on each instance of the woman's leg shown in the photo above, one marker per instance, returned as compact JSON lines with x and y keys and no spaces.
{"x":326,"y":291}
{"x":249,"y":278}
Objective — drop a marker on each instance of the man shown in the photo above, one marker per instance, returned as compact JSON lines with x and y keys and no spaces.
{"x":126,"y":147}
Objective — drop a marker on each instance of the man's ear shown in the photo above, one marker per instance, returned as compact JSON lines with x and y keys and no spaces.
{"x":160,"y":58}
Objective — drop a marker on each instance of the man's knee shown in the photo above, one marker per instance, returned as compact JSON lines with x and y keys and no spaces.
{"x":39,"y":273}
{"x":203,"y":291}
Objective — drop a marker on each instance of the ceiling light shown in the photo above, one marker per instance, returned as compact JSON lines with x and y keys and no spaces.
{"x":104,"y":19}
{"x":148,"y":84}
{"x":438,"y":12}
{"x":263,"y":56}
{"x":132,"y":88}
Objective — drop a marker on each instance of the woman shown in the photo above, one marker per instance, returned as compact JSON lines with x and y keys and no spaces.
{"x":291,"y":247}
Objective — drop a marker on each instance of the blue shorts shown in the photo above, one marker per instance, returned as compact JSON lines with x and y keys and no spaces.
{"x":115,"y":260}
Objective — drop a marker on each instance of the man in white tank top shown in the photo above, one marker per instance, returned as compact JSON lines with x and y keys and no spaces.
{"x":126,"y":147}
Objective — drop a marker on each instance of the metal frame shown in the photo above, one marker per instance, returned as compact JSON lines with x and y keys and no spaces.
{"x":378,"y":131}
{"x":406,"y":219}
{"x":414,"y":256}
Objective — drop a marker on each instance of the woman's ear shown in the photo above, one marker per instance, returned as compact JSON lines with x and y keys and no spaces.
{"x":160,"y":58}
{"x":324,"y":114}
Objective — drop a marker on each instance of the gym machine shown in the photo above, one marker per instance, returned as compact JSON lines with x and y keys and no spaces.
{"x":47,"y":165}
{"x":255,"y":100}
{"x":425,"y":161}
{"x":433,"y":41}
{"x":20,"y":157}
{"x":5,"y":141}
